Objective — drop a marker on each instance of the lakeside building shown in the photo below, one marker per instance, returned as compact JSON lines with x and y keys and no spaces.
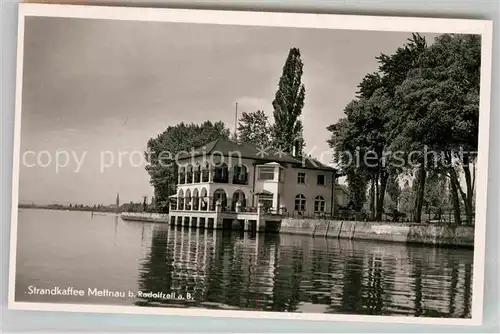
{"x":227,"y":183}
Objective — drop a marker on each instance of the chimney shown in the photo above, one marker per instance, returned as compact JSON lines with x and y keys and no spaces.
{"x":296,"y":149}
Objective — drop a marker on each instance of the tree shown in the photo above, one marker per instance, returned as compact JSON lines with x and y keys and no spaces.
{"x":438,"y":109}
{"x":357,"y":185}
{"x":394,"y":69}
{"x":435,"y":198}
{"x":407,"y":200}
{"x":359,"y":140}
{"x":365,"y":132}
{"x":130,"y":207}
{"x":343,"y":141}
{"x":254,"y":129}
{"x":153,"y":203}
{"x":161,"y":151}
{"x":288,"y":103}
{"x":393,"y":189}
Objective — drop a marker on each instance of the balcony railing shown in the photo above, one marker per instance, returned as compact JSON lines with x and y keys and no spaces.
{"x":228,"y":210}
{"x":240,"y":179}
{"x":221,"y":179}
{"x":197,"y":177}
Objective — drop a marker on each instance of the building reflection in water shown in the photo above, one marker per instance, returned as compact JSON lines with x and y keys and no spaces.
{"x":284,"y":273}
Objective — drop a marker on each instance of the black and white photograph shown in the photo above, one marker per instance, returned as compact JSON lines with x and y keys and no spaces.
{"x":250,"y":164}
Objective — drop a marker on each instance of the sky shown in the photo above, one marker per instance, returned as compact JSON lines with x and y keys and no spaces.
{"x":94,"y":92}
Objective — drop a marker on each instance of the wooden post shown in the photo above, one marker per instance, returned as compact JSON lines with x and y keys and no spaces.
{"x":218,"y":217}
{"x":261,"y":223}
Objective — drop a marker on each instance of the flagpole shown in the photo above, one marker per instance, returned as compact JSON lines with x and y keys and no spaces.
{"x":236,"y":122}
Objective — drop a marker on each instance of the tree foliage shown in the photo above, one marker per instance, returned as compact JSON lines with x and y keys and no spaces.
{"x":438,"y":108}
{"x":365,"y":132}
{"x":422,"y":98}
{"x":161,"y":151}
{"x":288,"y":103}
{"x":254,"y":129}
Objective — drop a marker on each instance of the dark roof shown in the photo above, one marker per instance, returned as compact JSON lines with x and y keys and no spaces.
{"x":313,"y":163}
{"x":229,"y":148}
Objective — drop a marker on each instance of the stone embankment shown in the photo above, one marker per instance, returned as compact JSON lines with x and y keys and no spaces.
{"x":431,"y":234}
{"x":446,"y":235}
{"x":145,"y":217}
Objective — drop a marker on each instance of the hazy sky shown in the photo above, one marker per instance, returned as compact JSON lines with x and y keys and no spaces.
{"x":105,"y":87}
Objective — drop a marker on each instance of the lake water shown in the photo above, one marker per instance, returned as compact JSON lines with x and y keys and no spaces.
{"x":233,"y":270}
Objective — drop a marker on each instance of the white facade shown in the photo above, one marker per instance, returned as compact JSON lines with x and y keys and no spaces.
{"x":279,"y":187}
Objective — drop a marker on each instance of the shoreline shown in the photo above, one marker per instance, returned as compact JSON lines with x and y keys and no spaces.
{"x":409,"y":233}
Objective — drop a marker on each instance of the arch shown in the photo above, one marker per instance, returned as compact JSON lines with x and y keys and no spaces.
{"x":220,"y":195}
{"x":197,"y":173}
{"x":221,"y":173}
{"x":240,"y":174}
{"x":205,"y":172}
{"x":187,"y":200}
{"x":300,"y":203}
{"x":196,"y":199}
{"x":182,"y":174}
{"x":238,"y":196}
{"x":319,"y":204}
{"x":189,"y":174}
{"x":204,"y":198}
{"x":180,"y":200}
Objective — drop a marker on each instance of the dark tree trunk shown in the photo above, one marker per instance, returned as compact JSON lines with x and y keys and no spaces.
{"x":419,"y":200}
{"x":375,"y":198}
{"x":372,"y":198}
{"x":469,"y":206}
{"x":381,"y":194}
{"x":454,"y":197}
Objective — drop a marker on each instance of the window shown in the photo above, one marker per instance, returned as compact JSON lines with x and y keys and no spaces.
{"x":321,"y":180}
{"x":266,"y":173}
{"x":205,"y":172}
{"x":301,"y":178}
{"x":221,"y":174}
{"x":319,"y":204}
{"x":240,"y":175}
{"x":189,"y":174}
{"x":182,"y":175}
{"x":197,"y":174}
{"x":300,"y":203}
{"x":266,"y":200}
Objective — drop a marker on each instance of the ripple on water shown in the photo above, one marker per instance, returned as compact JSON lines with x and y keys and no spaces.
{"x":240,"y":271}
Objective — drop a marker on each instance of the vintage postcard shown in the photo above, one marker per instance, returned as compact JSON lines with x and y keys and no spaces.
{"x":250,"y":164}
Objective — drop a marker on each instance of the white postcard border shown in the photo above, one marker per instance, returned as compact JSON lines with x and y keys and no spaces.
{"x":316,"y":21}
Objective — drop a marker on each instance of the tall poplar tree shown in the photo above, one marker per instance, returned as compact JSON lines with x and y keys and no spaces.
{"x":288,"y":103}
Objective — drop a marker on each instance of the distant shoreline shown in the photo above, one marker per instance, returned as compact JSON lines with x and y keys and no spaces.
{"x":66,"y":209}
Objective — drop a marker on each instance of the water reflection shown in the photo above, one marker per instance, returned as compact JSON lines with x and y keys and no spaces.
{"x":224,"y":270}
{"x":236,"y":270}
